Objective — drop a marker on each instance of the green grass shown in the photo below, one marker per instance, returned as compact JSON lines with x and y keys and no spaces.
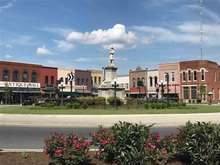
{"x":108,"y":111}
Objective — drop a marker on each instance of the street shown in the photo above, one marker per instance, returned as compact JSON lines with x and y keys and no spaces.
{"x":21,"y":137}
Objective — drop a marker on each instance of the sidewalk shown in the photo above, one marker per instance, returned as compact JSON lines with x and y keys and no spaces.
{"x":160,"y":120}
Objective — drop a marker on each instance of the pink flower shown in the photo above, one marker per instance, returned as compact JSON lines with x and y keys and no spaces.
{"x":151,"y":146}
{"x":104,"y":142}
{"x":58,"y":152}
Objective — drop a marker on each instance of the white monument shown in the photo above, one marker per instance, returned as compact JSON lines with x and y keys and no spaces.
{"x":109,"y":87}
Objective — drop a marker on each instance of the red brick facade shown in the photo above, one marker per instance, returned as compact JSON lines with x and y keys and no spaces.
{"x":197,"y":74}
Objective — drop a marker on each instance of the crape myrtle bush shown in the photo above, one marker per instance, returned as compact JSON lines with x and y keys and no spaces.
{"x":126,"y":143}
{"x":199,"y":143}
{"x":133,"y":144}
{"x":67,"y":150}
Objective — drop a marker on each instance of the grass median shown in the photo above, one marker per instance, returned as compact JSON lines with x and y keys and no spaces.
{"x":107,"y":111}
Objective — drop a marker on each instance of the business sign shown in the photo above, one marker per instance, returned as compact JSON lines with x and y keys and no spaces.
{"x":11,"y":84}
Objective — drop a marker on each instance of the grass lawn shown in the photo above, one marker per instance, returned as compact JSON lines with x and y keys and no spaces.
{"x":108,"y":111}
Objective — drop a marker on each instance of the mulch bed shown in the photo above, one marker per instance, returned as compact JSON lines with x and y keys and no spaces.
{"x":38,"y":158}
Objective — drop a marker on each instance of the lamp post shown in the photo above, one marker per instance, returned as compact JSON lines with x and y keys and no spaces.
{"x":20,"y":94}
{"x":115,"y":85}
{"x":210,"y":94}
{"x":61,"y":87}
{"x":167,"y":81}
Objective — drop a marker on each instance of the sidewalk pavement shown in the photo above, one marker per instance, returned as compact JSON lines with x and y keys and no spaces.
{"x":160,"y":120}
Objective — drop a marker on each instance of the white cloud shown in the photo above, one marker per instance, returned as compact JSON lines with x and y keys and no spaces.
{"x":117,"y":36}
{"x":63,"y":45}
{"x":7,"y":56}
{"x":57,"y":30}
{"x":6,"y":4}
{"x":82,"y":59}
{"x":43,"y":51}
{"x":188,"y":32}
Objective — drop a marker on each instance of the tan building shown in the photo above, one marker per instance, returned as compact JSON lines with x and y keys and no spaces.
{"x":81,"y":83}
{"x":96,"y":76}
{"x":152,"y":83}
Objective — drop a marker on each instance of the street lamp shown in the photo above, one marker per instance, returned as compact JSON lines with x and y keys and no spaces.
{"x":61,"y":87}
{"x":210,"y":94}
{"x":115,"y":85}
{"x":20,"y":94}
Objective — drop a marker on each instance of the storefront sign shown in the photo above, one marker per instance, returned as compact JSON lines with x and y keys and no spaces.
{"x":19,"y":84}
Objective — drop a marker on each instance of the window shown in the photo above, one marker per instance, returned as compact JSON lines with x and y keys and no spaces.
{"x":15,"y":76}
{"x":138,"y":79}
{"x":99,"y":80}
{"x":66,"y":80}
{"x":52,"y":80}
{"x":78,"y":81}
{"x":195,"y":75}
{"x":184,"y":76}
{"x":5,"y":75}
{"x":166,"y":77}
{"x":155,"y":81}
{"x":133,"y":82}
{"x":87,"y":80}
{"x":143,"y":80}
{"x":151,"y":81}
{"x":173,"y":77}
{"x":193,"y":92}
{"x":82,"y":81}
{"x":95,"y":80}
{"x":34,"y":77}
{"x":186,"y":92}
{"x":202,"y":74}
{"x":61,"y":79}
{"x":25,"y":76}
{"x":189,"y":75}
{"x":46,"y":80}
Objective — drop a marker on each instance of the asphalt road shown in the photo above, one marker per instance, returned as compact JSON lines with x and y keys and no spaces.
{"x":19,"y":137}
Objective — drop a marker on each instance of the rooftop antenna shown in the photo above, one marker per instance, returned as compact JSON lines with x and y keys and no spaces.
{"x":201,"y":29}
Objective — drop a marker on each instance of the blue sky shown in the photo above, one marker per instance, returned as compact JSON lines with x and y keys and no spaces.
{"x":78,"y":33}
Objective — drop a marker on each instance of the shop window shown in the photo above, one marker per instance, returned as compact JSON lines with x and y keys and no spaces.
{"x":186,"y":92}
{"x":15,"y":76}
{"x":34,"y":77}
{"x":193,"y":92}
{"x":5,"y":75}
{"x":25,"y":76}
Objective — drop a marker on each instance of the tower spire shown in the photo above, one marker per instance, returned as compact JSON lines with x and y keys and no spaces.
{"x":111,"y":57}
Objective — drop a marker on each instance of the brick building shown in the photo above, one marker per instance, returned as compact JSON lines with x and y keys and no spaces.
{"x":136,"y":76}
{"x":192,"y":81}
{"x":199,"y":79}
{"x":21,"y":80}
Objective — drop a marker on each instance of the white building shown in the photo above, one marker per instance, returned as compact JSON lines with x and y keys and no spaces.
{"x":152,"y":82}
{"x":123,"y":82}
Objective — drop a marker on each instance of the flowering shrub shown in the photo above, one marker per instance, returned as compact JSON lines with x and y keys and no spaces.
{"x":123,"y":143}
{"x":67,"y":150}
{"x":199,"y":143}
{"x":159,"y":151}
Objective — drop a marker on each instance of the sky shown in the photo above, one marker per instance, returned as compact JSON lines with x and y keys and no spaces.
{"x":79,"y":33}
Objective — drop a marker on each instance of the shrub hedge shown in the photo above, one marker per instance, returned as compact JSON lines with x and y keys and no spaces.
{"x":130,"y":144}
